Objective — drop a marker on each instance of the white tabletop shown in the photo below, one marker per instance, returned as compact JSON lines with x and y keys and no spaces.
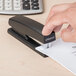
{"x":16,"y":59}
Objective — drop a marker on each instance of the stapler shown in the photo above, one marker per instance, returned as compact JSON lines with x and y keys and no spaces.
{"x":29,"y":32}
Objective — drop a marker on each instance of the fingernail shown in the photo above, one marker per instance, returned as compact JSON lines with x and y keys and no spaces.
{"x":46,"y":31}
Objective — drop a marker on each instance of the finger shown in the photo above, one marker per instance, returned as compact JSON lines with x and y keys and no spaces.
{"x":47,"y":30}
{"x":69,"y":28}
{"x":50,"y":15}
{"x":68,"y":36}
{"x":56,"y":20}
{"x":58,"y":8}
{"x":57,"y":29}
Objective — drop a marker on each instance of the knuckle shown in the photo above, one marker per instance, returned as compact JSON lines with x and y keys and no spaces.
{"x":70,"y":9}
{"x":69,"y":12}
{"x":54,"y":7}
{"x":64,"y":39}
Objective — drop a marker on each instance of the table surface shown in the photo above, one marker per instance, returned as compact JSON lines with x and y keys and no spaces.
{"x":16,"y":59}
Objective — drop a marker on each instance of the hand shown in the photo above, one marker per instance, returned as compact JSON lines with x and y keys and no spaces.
{"x":59,"y":15}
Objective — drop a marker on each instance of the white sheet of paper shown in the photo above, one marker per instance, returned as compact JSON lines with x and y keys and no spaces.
{"x":62,"y":52}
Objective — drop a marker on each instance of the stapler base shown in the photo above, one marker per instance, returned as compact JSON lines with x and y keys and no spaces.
{"x":29,"y":41}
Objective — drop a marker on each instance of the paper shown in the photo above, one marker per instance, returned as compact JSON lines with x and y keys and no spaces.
{"x":62,"y":52}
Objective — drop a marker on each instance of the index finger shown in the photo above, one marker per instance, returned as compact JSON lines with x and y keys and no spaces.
{"x":56,"y":20}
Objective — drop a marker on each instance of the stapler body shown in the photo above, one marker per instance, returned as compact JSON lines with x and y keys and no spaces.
{"x":26,"y":30}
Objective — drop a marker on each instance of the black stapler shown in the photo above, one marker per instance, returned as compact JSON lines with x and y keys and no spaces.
{"x":29,"y":32}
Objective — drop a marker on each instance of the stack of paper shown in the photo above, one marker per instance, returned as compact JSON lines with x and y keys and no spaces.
{"x":62,"y":52}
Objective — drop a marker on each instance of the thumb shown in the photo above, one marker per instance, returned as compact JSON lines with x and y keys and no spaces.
{"x":68,"y":36}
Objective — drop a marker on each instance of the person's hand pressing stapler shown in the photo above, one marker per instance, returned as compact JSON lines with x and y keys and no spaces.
{"x":59,"y":15}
